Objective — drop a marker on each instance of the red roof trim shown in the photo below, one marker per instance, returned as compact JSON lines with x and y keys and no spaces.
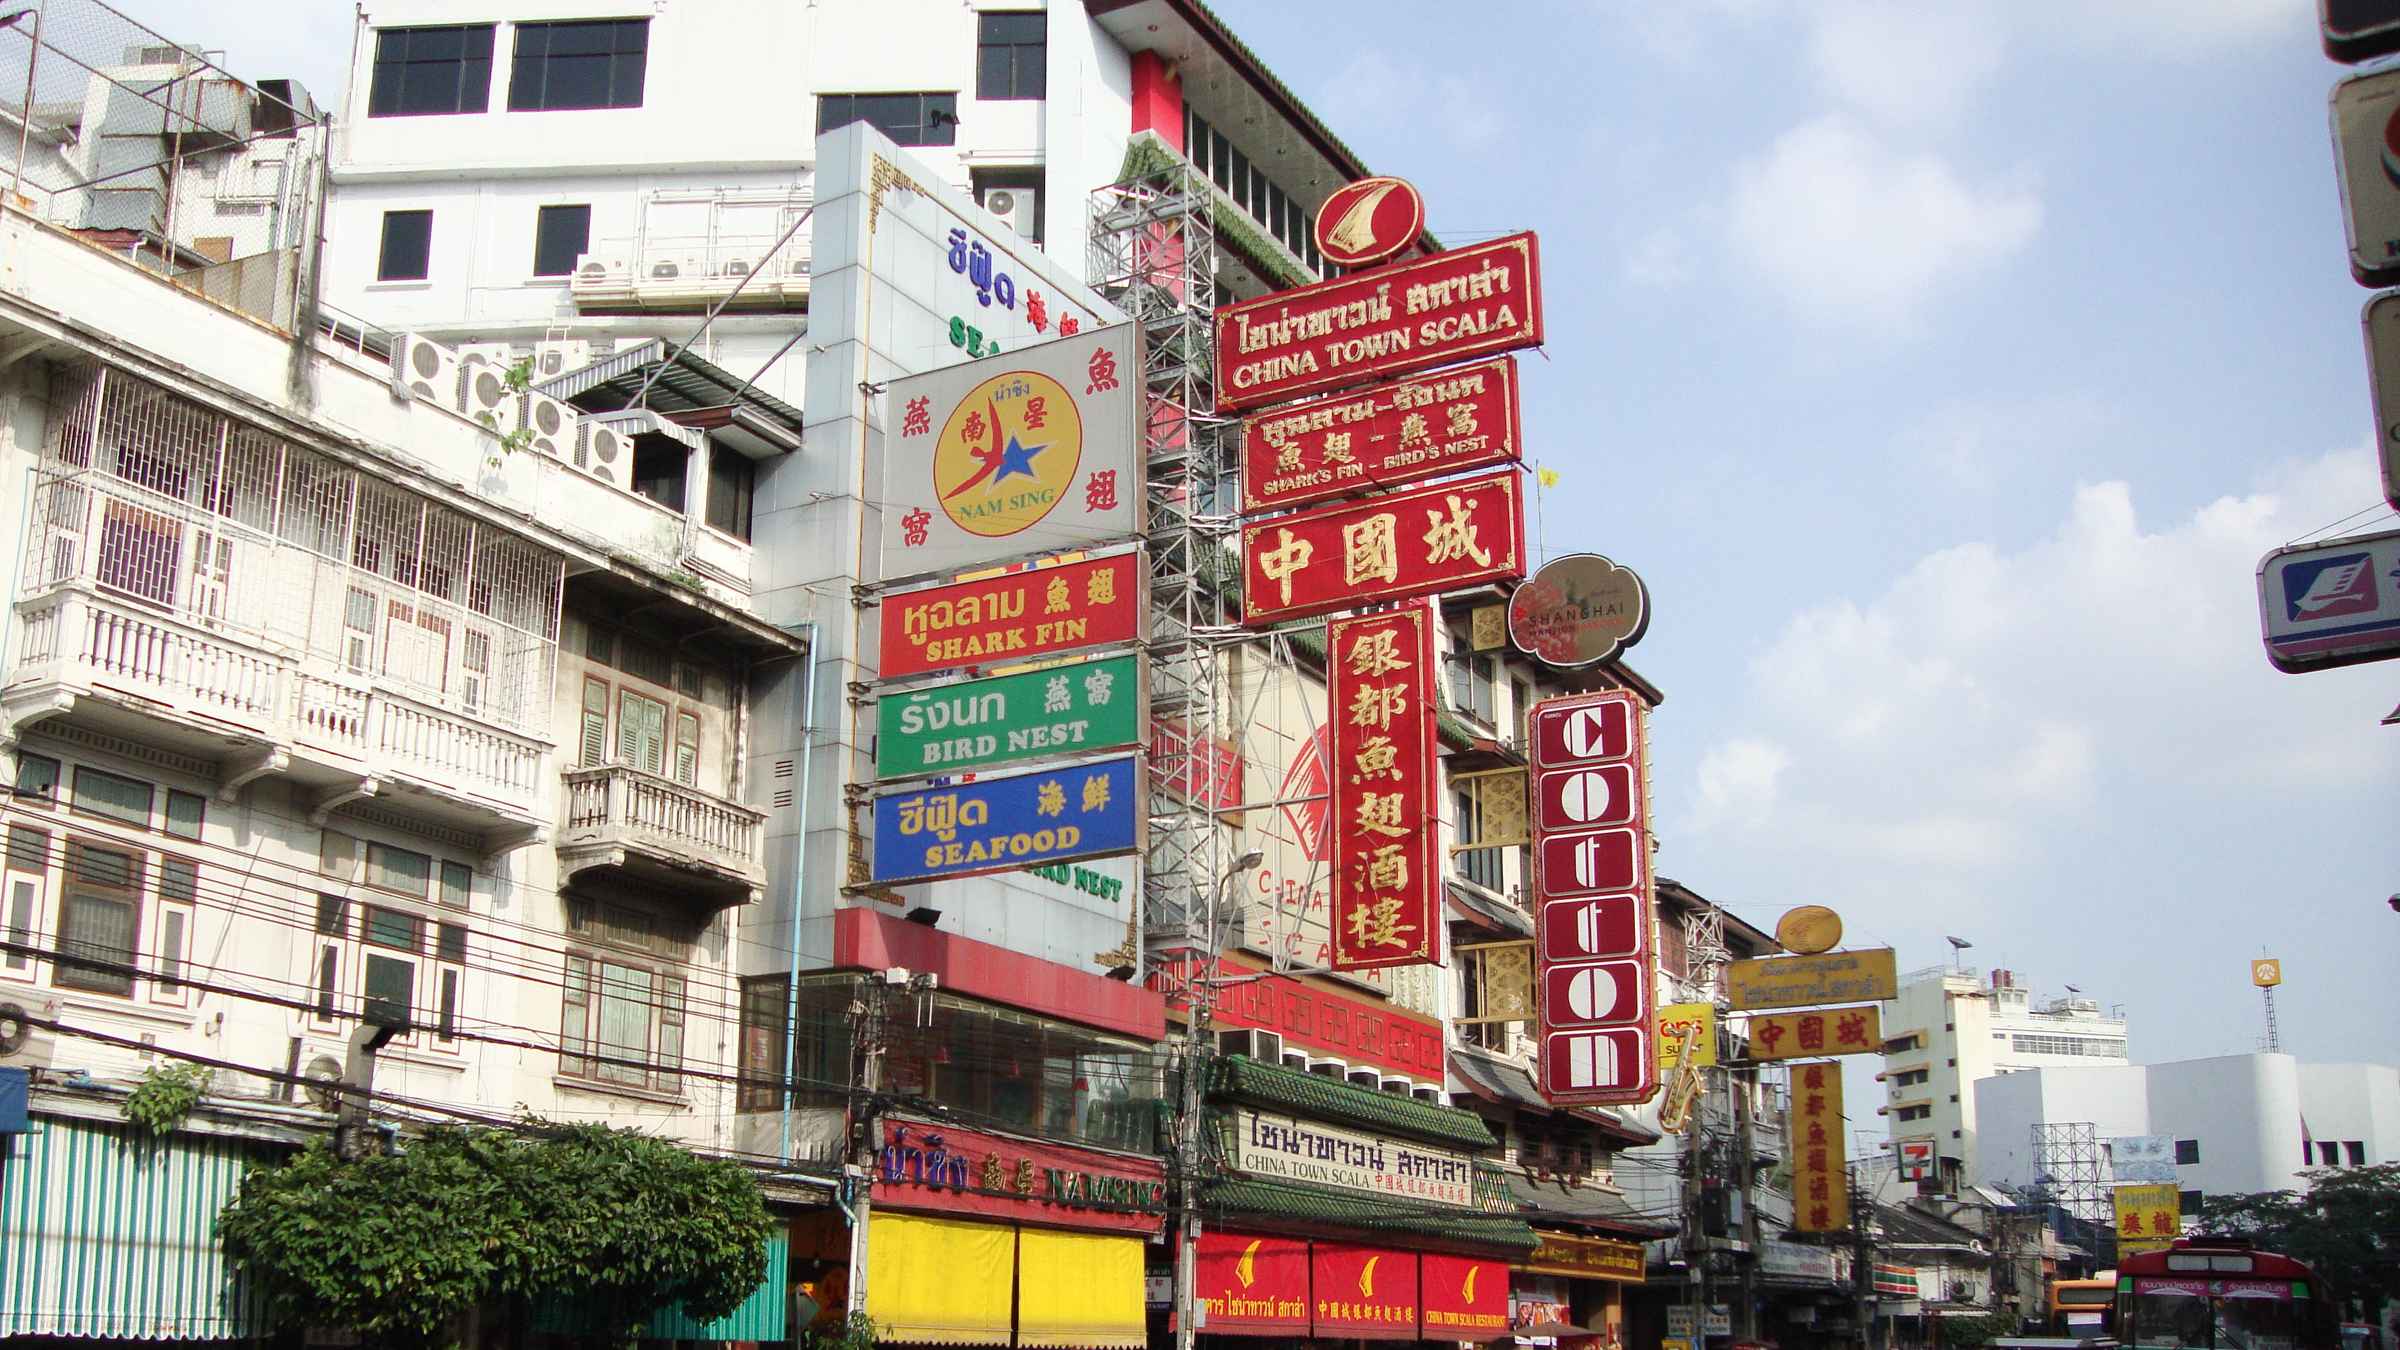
{"x":866,"y":940}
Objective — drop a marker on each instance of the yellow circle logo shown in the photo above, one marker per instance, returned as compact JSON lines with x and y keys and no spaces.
{"x":1008,"y":454}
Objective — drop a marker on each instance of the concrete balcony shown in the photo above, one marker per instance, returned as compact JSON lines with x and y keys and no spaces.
{"x":662,"y":833}
{"x":115,"y":665}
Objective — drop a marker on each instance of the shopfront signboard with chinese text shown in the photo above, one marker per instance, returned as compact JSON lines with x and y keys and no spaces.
{"x":1363,"y":1293}
{"x":1039,"y":714}
{"x":1465,"y":1298}
{"x":1476,"y":301}
{"x":1250,"y":1284}
{"x":1598,"y":1033}
{"x":1820,"y":1156}
{"x":1824,"y":1031}
{"x":993,"y":824}
{"x":1034,"y":451}
{"x":939,"y":1168}
{"x":1013,"y":617}
{"x":1585,"y":1257}
{"x":1387,"y":868}
{"x":1284,"y":1148}
{"x":1799,"y":981}
{"x":1383,"y":436}
{"x":2149,"y":1217}
{"x":1419,"y":541}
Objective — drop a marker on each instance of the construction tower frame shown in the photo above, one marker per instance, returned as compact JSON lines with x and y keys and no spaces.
{"x":2067,"y":1158}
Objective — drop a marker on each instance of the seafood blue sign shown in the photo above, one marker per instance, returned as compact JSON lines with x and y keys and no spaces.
{"x":994,"y":824}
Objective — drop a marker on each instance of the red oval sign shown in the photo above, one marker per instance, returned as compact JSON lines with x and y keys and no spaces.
{"x":1369,"y":220}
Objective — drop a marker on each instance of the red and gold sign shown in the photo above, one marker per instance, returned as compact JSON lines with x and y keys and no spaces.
{"x":1422,"y":541}
{"x":1820,"y":1163}
{"x":1397,"y":320}
{"x":1446,"y":422}
{"x":1386,"y":864}
{"x":1596,"y":969}
{"x":1251,"y":1285}
{"x":1037,"y":612}
{"x":953,"y":1171}
{"x":1365,"y":1293}
{"x":1465,"y":1299}
{"x":1824,"y":1031}
{"x":1369,"y":220}
{"x":1585,"y":1258}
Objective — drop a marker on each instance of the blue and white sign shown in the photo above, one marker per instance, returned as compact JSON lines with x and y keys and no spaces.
{"x":2331,"y":604}
{"x":993,"y":824}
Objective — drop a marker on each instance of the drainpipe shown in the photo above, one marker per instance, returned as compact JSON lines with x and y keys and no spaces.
{"x":806,"y":705}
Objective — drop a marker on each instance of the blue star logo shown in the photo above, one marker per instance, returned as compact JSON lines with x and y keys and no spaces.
{"x":1018,"y":458}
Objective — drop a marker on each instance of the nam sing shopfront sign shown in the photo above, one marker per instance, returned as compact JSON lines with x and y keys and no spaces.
{"x":1446,"y":537}
{"x":1040,"y":714}
{"x":1392,"y":434}
{"x":1041,"y":611}
{"x":1386,"y":867}
{"x":1286,"y":1149}
{"x":1395,"y":320}
{"x":992,"y":824}
{"x":954,"y":1171}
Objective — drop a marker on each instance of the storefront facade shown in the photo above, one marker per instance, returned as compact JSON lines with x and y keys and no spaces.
{"x":1571,"y":1290}
{"x":981,"y":1238}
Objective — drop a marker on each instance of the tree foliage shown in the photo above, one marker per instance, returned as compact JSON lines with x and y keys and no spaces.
{"x":2346,"y":1226}
{"x":398,"y":1245}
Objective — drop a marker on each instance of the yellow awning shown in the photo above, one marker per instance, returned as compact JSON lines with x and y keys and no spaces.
{"x":944,"y":1282}
{"x":1079,"y":1291}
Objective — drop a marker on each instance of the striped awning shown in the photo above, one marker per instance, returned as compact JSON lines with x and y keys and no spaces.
{"x":105,"y":1234}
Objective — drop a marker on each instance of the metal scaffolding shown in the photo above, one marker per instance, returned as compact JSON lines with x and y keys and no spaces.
{"x":2067,"y":1165}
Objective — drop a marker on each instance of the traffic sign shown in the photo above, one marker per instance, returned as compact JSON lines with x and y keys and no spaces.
{"x":2330,"y":604}
{"x":2381,"y":322}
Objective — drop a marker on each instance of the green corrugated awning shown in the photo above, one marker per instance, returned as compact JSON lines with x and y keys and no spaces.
{"x":1234,"y":1198}
{"x":104,"y":1234}
{"x":1243,"y":1079}
{"x":759,"y":1318}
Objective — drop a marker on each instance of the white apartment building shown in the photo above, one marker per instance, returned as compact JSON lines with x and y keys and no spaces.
{"x":2240,"y":1123}
{"x":1951,"y":1029}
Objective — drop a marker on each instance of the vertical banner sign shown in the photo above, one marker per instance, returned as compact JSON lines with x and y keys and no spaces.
{"x":1820,"y":1162}
{"x":1594,"y":962}
{"x":1386,"y":866}
{"x":2149,"y":1217}
{"x":1446,"y":537}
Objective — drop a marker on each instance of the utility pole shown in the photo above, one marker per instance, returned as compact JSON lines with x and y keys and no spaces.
{"x":1745,"y":1309}
{"x":868,"y":1013}
{"x":1695,"y":1219}
{"x":1862,"y":1263}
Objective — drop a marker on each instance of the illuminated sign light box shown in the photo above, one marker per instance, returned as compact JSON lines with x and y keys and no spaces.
{"x":1382,"y":436}
{"x":1042,"y":816}
{"x":1014,"y":617}
{"x":1387,"y":874}
{"x":1058,"y":711}
{"x":1419,"y":541}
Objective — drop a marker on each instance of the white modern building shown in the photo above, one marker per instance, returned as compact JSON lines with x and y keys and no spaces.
{"x":1951,"y":1028}
{"x":2239,"y":1123}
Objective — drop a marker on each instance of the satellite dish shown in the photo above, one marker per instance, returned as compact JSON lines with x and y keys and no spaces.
{"x":324,"y":1074}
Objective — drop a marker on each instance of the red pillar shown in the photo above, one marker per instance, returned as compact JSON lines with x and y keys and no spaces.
{"x":1157,"y":98}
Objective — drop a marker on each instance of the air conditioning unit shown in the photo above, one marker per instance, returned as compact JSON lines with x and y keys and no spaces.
{"x":553,"y":357}
{"x":1431,"y":1096}
{"x":23,"y":1045}
{"x":1328,"y":1068}
{"x":1021,"y":207}
{"x":1366,"y":1078}
{"x":1400,"y":1087}
{"x":605,"y":453}
{"x":1264,"y":1046}
{"x":552,"y":423}
{"x":484,"y":395}
{"x":734,"y":269}
{"x":603,"y":276}
{"x":422,"y":368}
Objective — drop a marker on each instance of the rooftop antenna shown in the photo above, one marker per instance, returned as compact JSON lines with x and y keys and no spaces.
{"x":1958,"y":947}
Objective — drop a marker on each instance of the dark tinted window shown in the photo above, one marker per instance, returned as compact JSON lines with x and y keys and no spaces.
{"x":909,"y":119}
{"x":425,"y":71}
{"x":560,"y":236}
{"x":407,"y":246}
{"x":596,"y":63}
{"x":1010,"y":50}
{"x":731,"y":479}
{"x":2187,"y":1152}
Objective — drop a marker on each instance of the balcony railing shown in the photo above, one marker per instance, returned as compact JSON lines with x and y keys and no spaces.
{"x":662,"y":830}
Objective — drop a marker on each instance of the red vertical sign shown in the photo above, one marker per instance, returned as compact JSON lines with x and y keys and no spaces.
{"x":1592,"y":894}
{"x":1387,"y":872}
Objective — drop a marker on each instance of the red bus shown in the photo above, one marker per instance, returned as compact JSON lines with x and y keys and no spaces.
{"x":2218,"y":1294}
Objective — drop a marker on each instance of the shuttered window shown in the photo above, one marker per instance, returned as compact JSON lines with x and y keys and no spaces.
{"x":641,"y":732}
{"x":687,"y":749}
{"x":595,"y":722}
{"x":574,"y":1042}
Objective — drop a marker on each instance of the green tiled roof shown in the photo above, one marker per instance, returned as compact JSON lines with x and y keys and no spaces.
{"x":1454,"y":733}
{"x":1244,"y":1079}
{"x":1293,"y":1203}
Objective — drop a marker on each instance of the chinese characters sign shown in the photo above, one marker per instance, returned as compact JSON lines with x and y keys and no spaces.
{"x":1286,"y":1149}
{"x":1395,"y":320}
{"x":1795,"y":981}
{"x":1592,"y":951}
{"x":1826,"y":1031}
{"x":1064,"y":710}
{"x":1363,"y":1293}
{"x":1445,"y":537}
{"x":936,"y":1167}
{"x":1035,"y":451}
{"x":2149,"y":1217}
{"x":1820,"y":1160}
{"x":992,"y":824}
{"x":1386,"y":866}
{"x":1382,"y":437}
{"x":998,"y":620}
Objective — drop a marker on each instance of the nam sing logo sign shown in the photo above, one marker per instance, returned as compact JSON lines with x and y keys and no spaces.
{"x":1386,"y":873}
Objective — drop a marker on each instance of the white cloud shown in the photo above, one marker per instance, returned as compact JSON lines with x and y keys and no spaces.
{"x":1659,"y":258}
{"x":2166,"y":28}
{"x":1377,"y":87}
{"x":1850,"y":230}
{"x":1907,"y":65}
{"x":1738,"y":778}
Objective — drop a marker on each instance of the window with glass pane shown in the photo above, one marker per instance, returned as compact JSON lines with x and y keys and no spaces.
{"x":406,"y":255}
{"x":766,"y":1040}
{"x":422,"y":72}
{"x":1011,"y":51}
{"x":99,"y":914}
{"x":393,"y":928}
{"x":37,"y":780}
{"x":909,"y":119}
{"x":186,"y":811}
{"x":174,"y":928}
{"x":641,"y":731}
{"x":391,"y":989}
{"x":329,"y":967}
{"x":399,"y":870}
{"x":445,"y":1026}
{"x":333,"y":915}
{"x":458,"y":882}
{"x":732,"y":483}
{"x":126,"y":800}
{"x":623,"y":1024}
{"x":561,"y":234}
{"x":594,"y":735}
{"x":24,"y":897}
{"x":28,"y":849}
{"x":595,"y":63}
{"x":450,"y":943}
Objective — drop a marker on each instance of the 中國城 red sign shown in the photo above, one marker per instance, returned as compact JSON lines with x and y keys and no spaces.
{"x":1396,"y":320}
{"x":1387,"y":873}
{"x":1421,"y":541}
{"x":1036,"y":612}
{"x":1591,"y":885}
{"x":1250,"y":1284}
{"x":1385,"y":436}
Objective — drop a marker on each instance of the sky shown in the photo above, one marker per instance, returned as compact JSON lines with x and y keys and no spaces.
{"x":1945,"y":370}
